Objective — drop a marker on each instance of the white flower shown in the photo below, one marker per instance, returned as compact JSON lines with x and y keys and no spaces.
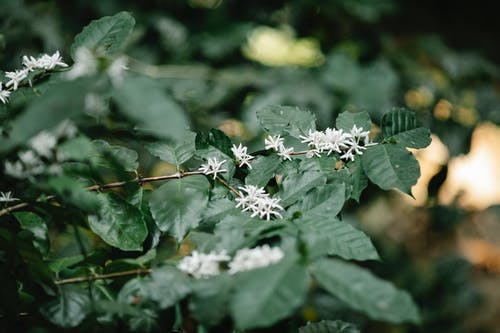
{"x":31,"y":63}
{"x":335,"y":140}
{"x":85,"y":64}
{"x":212,"y":167}
{"x":29,"y":158}
{"x":258,"y":202}
{"x":15,"y":169}
{"x":7,"y":197}
{"x":16,"y":77}
{"x":4,"y":94}
{"x":43,"y":143}
{"x":202,"y":265}
{"x":348,"y":155}
{"x":65,"y":129}
{"x":261,"y":256}
{"x":285,"y":152}
{"x":241,"y":156}
{"x":50,"y":62}
{"x":273,"y":142}
{"x":358,"y":132}
{"x":117,"y":69}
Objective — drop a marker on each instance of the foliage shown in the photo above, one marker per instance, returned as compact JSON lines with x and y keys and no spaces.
{"x":100,"y":233}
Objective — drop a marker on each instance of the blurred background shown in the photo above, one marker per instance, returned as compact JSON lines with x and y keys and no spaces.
{"x":224,"y":59}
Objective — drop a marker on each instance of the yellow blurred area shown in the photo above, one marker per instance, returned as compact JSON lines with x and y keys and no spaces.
{"x":209,"y":4}
{"x":475,"y":178}
{"x":279,"y":47}
{"x":421,"y":97}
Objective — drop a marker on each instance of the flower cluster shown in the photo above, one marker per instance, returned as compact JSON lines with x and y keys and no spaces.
{"x":203,"y":265}
{"x":276,"y":143}
{"x":42,"y":147}
{"x":257,"y":201}
{"x":7,"y":197}
{"x":212,"y":167}
{"x":260,"y":256}
{"x":241,"y":155}
{"x":336,"y":140}
{"x":44,"y":62}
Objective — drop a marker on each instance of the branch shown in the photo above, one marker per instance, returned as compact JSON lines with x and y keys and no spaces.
{"x":142,"y":271}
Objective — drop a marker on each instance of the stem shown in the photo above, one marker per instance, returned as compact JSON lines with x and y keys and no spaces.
{"x":232,"y":189}
{"x":142,"y":271}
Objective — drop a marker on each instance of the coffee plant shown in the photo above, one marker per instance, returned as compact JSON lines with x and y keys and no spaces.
{"x":228,"y":238}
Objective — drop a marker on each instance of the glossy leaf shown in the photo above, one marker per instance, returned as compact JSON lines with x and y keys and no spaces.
{"x":403,"y":126}
{"x":125,"y":157}
{"x":263,"y":169}
{"x":359,"y":180}
{"x":119,"y":223}
{"x":267,"y":295}
{"x":175,"y":154}
{"x":70,"y":307}
{"x":106,"y":35}
{"x":391,"y":166}
{"x":328,"y":235}
{"x":364,"y":292}
{"x":177,"y":206}
{"x":295,"y":185}
{"x":277,"y":119}
{"x":36,"y":225}
{"x":324,"y":201}
{"x":160,"y":116}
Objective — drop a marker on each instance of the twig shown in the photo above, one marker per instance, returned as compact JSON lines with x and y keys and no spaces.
{"x":232,"y":189}
{"x":142,"y":271}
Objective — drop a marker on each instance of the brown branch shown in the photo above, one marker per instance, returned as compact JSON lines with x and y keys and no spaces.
{"x":141,"y":271}
{"x":232,"y":189}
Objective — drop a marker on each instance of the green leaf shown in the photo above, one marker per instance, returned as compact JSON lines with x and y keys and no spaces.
{"x":215,"y":138}
{"x":359,"y":180}
{"x":72,"y":191}
{"x":106,"y":35}
{"x":324,"y":201}
{"x":167,"y":286}
{"x":402,"y":125}
{"x":277,"y":119}
{"x":177,"y":206}
{"x":365,"y":292}
{"x":160,"y":116}
{"x":119,"y":223}
{"x":126,"y":158}
{"x":263,"y":169}
{"x":329,"y":326}
{"x":79,"y":148}
{"x":47,"y":111}
{"x":328,"y":235}
{"x":209,"y":302}
{"x":267,"y":295}
{"x":36,"y":225}
{"x":70,"y":307}
{"x":175,"y":154}
{"x":346,"y":120}
{"x":391,"y":166}
{"x":295,"y":185}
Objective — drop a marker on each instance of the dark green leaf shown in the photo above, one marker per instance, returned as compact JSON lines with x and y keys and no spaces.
{"x":277,"y":119}
{"x":403,"y":126}
{"x":346,"y":120}
{"x":106,"y":35}
{"x":359,"y":180}
{"x":126,"y":158}
{"x":168,"y":286}
{"x":267,"y":295}
{"x":328,"y":235}
{"x":364,"y":292}
{"x":215,"y":138}
{"x":177,"y":205}
{"x":324,"y":201}
{"x":209,"y":302}
{"x":160,"y":116}
{"x":72,"y":191}
{"x":295,"y":185}
{"x":69,"y":308}
{"x":119,"y":223}
{"x":329,"y":326}
{"x":79,"y":148}
{"x":263,"y":169}
{"x":36,"y":225}
{"x":391,"y":166}
{"x":175,"y":154}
